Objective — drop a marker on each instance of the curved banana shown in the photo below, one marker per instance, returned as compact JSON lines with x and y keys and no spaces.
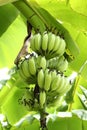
{"x":53,"y":74}
{"x":63,"y":66}
{"x":32,"y":65}
{"x":67,"y":86}
{"x":51,"y":41}
{"x":42,"y":99}
{"x":44,"y":41}
{"x":24,"y":66}
{"x":37,"y":42}
{"x":41,"y":62}
{"x":58,"y":63}
{"x":20,"y":71}
{"x":61,"y":48}
{"x":56,"y":44}
{"x":47,"y":80}
{"x":40,"y":78}
{"x":61,"y":85}
{"x":55,"y":82}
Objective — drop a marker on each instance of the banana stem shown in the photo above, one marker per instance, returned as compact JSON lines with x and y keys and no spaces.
{"x":43,"y":115}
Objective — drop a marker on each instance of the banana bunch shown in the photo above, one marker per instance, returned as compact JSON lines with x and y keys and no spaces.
{"x":48,"y":45}
{"x":27,"y":70}
{"x":58,"y":63}
{"x":52,"y":81}
{"x":44,"y":71}
{"x":60,"y":84}
{"x":53,"y":85}
{"x":30,"y":66}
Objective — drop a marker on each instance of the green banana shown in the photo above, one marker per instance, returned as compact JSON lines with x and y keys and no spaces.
{"x":58,"y":63}
{"x":56,"y":44}
{"x":47,"y":80}
{"x":62,"y":64}
{"x":41,"y":62}
{"x":44,"y":41}
{"x":63,"y":67}
{"x":51,"y":41}
{"x":40,"y":78}
{"x":42,"y":99}
{"x":61,"y":84}
{"x":32,"y":65}
{"x":24,"y":66}
{"x":61,"y":48}
{"x":55,"y":82}
{"x":52,"y":63}
{"x":67,"y":87}
{"x":37,"y":41}
{"x":53,"y":74}
{"x":20,"y":71}
{"x":64,"y":86}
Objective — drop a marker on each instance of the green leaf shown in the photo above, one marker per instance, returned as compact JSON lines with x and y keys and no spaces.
{"x":2,"y":2}
{"x":84,"y":91}
{"x":81,"y":58}
{"x":11,"y":108}
{"x":8,"y":85}
{"x":7,"y":17}
{"x":30,"y":15}
{"x":65,"y":121}
{"x":34,"y":125}
{"x":59,"y":123}
{"x":65,"y":13}
{"x":11,"y":42}
{"x":83,"y":100}
{"x":79,"y":6}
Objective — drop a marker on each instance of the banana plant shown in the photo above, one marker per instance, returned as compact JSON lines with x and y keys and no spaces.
{"x":27,"y":92}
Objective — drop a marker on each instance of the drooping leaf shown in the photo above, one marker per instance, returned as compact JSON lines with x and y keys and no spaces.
{"x":11,"y":42}
{"x":80,"y":60}
{"x":12,"y":108}
{"x":8,"y":14}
